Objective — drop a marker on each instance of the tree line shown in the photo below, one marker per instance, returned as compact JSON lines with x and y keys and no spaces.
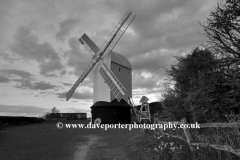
{"x":207,"y":80}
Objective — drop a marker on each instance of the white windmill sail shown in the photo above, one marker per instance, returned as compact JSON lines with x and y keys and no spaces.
{"x":114,"y":84}
{"x":97,"y":53}
{"x":89,"y":45}
{"x":117,"y":32}
{"x":80,"y":79}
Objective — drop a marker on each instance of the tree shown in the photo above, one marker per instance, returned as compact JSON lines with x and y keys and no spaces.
{"x":54,"y":111}
{"x":200,"y":92}
{"x":223,"y":31}
{"x":193,"y":75}
{"x":46,"y":116}
{"x":188,"y":69}
{"x":173,"y":105}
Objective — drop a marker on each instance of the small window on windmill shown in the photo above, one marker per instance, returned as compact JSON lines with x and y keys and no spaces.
{"x":119,"y":69}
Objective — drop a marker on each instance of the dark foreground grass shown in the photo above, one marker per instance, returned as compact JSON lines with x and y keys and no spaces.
{"x":44,"y":141}
{"x":168,"y":148}
{"x":38,"y":141}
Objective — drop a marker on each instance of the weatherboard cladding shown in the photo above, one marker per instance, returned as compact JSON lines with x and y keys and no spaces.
{"x":121,"y":67}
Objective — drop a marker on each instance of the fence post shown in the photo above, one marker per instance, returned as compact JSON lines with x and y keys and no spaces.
{"x":154,"y":120}
{"x":161,"y":129}
{"x":188,"y":135}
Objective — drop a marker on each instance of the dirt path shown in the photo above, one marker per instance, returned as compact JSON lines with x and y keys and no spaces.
{"x":96,"y":148}
{"x":104,"y":151}
{"x":109,"y":145}
{"x":82,"y":150}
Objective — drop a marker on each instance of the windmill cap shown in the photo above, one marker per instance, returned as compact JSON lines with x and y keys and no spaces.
{"x":114,"y":103}
{"x":120,"y":59}
{"x":144,"y":99}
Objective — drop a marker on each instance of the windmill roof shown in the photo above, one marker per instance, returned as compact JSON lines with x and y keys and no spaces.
{"x":114,"y":103}
{"x":120,"y":59}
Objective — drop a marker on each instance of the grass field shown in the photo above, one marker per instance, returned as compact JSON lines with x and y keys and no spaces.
{"x":44,"y":141}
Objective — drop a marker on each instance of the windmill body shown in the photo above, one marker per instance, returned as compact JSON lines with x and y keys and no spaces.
{"x":122,"y":69}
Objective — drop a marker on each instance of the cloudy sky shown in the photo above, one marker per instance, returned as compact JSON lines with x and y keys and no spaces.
{"x":41,"y":57}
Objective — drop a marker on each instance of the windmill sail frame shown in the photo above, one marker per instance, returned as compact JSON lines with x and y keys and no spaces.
{"x":106,"y":48}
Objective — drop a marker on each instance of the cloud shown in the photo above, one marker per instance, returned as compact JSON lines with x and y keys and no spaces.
{"x":65,"y":28}
{"x":42,"y":86}
{"x":78,"y":95}
{"x":16,"y":72}
{"x":3,"y":79}
{"x":75,"y":110}
{"x":26,"y":84}
{"x":47,"y":67}
{"x":160,"y":30}
{"x":67,"y":84}
{"x":153,"y":62}
{"x":27,"y":45}
{"x":70,"y":108}
{"x":25,"y":81}
{"x":141,"y":82}
{"x":21,"y":109}
{"x":157,"y":18}
{"x":79,"y":60}
{"x":8,"y":57}
{"x":76,"y":57}
{"x":156,"y":91}
{"x":63,"y":72}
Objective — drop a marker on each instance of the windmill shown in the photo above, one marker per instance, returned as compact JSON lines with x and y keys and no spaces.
{"x":108,"y":88}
